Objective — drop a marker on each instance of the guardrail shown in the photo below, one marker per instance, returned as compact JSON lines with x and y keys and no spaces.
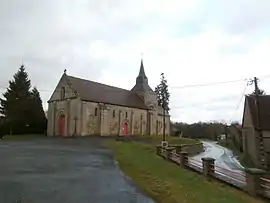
{"x":252,"y":181}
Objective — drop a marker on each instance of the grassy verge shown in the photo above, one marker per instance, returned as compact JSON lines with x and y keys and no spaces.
{"x":168,"y":183}
{"x":244,"y":160}
{"x":171,"y":140}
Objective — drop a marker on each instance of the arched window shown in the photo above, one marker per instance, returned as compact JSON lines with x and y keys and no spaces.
{"x":95,"y":111}
{"x":63,"y":92}
{"x":126,"y":114}
{"x":113,"y":113}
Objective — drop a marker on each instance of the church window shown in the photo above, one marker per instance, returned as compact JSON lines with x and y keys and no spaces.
{"x":63,"y":92}
{"x":113,"y":113}
{"x":126,"y":114}
{"x":95,"y":111}
{"x":141,"y":117}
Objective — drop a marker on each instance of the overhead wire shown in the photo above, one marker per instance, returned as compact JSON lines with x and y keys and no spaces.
{"x":239,"y":102}
{"x":227,"y":98}
{"x":177,"y":87}
{"x":214,"y":83}
{"x":206,"y":84}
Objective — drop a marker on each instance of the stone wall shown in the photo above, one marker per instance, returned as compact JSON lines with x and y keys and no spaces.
{"x":106,"y":119}
{"x":69,"y":93}
{"x":71,"y":109}
{"x":93,"y":118}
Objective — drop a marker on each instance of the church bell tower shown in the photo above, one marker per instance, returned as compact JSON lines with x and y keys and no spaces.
{"x":143,"y":89}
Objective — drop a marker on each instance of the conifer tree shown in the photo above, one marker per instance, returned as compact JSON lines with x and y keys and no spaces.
{"x":21,"y":106}
{"x":163,"y":97}
{"x":38,"y":117}
{"x":162,"y":92}
{"x":15,"y":106}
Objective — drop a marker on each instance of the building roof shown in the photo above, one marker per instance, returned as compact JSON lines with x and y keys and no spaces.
{"x":96,"y":92}
{"x":264,"y":107}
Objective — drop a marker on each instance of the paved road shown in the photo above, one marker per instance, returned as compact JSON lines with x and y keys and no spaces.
{"x":223,"y":156}
{"x":226,"y":164}
{"x":63,"y":170}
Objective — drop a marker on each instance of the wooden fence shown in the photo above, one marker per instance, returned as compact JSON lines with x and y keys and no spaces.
{"x":254,"y":181}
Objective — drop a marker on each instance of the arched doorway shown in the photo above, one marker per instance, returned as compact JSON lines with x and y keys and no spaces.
{"x":124,"y":128}
{"x":61,"y":125}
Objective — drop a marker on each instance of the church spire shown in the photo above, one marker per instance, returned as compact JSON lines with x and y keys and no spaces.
{"x":143,"y":89}
{"x":142,"y":72}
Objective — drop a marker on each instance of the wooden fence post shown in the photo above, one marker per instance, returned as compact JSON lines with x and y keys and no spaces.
{"x":253,"y":179}
{"x":183,"y":156}
{"x":169,"y":152}
{"x":208,"y":166}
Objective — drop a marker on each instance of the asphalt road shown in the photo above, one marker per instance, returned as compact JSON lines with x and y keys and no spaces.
{"x":226,"y":164}
{"x":58,"y":170}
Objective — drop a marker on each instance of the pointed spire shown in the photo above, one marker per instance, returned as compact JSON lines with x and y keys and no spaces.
{"x":142,"y":72}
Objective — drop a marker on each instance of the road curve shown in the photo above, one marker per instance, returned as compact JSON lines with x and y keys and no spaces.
{"x":226,"y":165}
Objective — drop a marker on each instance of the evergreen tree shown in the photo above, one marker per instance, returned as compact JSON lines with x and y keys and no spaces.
{"x":162,"y":92}
{"x":21,"y":107}
{"x":163,"y":97}
{"x":15,"y":105}
{"x":38,"y":118}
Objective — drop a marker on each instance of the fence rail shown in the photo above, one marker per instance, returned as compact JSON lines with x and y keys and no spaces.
{"x":252,"y":181}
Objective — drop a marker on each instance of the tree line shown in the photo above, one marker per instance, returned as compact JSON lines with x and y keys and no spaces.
{"x":21,"y":110}
{"x":199,"y":130}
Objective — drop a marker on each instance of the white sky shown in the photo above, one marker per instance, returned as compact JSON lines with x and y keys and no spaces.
{"x":192,"y":42}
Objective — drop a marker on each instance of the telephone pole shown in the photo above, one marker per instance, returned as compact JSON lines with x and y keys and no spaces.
{"x":260,"y":134}
{"x":226,"y":134}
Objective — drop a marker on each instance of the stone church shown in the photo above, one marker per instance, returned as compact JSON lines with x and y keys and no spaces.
{"x":80,"y":107}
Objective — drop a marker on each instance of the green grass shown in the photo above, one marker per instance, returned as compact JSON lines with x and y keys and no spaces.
{"x":244,"y":160}
{"x":166,"y":182}
{"x":171,"y":139}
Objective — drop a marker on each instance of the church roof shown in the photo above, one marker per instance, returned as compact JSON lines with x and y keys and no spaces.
{"x":97,"y":92}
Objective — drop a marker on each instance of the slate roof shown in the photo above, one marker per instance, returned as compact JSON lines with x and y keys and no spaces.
{"x":264,"y":107}
{"x":96,"y":92}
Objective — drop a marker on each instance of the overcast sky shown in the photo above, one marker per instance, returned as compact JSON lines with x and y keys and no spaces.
{"x":192,"y":42}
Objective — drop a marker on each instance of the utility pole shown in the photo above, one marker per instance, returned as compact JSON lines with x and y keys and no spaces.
{"x":260,"y":134}
{"x":226,"y":134}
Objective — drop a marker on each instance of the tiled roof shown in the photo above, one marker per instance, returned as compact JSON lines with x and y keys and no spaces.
{"x":96,"y":92}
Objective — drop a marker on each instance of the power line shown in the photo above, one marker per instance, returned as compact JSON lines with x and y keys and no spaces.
{"x":175,"y":87}
{"x":240,"y":100}
{"x":215,"y":83}
{"x":207,"y":102}
{"x":207,"y":84}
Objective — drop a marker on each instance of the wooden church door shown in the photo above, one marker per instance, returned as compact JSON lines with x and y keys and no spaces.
{"x":61,"y":125}
{"x":124,"y":129}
